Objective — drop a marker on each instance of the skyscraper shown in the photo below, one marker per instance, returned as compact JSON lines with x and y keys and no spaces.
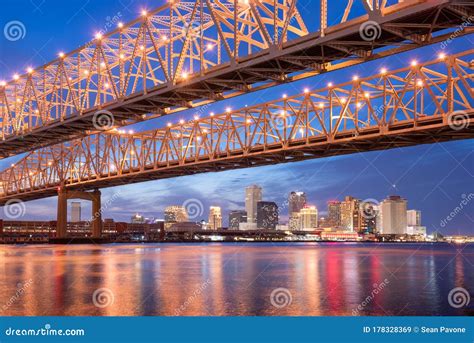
{"x":414,"y":226}
{"x":235,"y":218}
{"x":267,"y":215}
{"x":308,"y":218}
{"x":75,"y":211}
{"x":253,"y":194}
{"x":215,"y":218}
{"x":334,"y":213}
{"x":350,"y":214}
{"x":413,"y":218}
{"x":175,"y":214}
{"x":296,"y":201}
{"x":394,"y":216}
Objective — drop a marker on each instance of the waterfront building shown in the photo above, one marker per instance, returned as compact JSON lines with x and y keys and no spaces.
{"x":267,"y":215}
{"x":394,"y":216}
{"x":414,"y":226}
{"x":334,"y":213}
{"x":215,"y":218}
{"x":253,"y":194}
{"x":413,"y":218}
{"x":137,"y":219}
{"x":294,"y":222}
{"x":235,"y":218}
{"x":308,"y":218}
{"x":75,"y":211}
{"x":296,"y":201}
{"x":175,"y":214}
{"x":350,"y":214}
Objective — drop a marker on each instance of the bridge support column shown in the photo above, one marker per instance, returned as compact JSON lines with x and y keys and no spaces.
{"x":61,"y":225}
{"x":96,"y":214}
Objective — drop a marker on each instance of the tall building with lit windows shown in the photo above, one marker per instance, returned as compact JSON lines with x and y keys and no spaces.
{"x":235,"y":218}
{"x":350,"y":214}
{"x":334,"y":213}
{"x":215,"y":218}
{"x":296,"y":201}
{"x":267,"y":215}
{"x":394,"y":216}
{"x":253,"y":194}
{"x":75,"y":211}
{"x":175,"y":214}
{"x":308,"y":218}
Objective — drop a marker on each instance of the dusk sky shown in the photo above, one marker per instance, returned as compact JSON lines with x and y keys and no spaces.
{"x":433,"y":178}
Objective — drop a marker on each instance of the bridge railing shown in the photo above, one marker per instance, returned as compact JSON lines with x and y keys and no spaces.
{"x":438,"y":92}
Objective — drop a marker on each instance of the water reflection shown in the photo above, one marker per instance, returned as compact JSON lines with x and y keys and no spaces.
{"x":235,"y":279}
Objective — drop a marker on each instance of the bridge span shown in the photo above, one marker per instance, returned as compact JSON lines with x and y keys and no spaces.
{"x":187,"y":54}
{"x":419,"y":104}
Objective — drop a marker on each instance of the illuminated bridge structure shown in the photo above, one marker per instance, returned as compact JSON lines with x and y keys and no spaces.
{"x":422,"y":103}
{"x":187,"y":54}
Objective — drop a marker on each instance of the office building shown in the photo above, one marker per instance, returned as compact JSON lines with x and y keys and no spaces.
{"x":175,"y":214}
{"x":267,"y":215}
{"x":137,"y":219}
{"x":296,"y":201}
{"x":414,"y":226}
{"x":75,"y":211}
{"x":308,"y":218}
{"x":235,"y":218}
{"x":215,"y":218}
{"x":394,"y":216}
{"x":350,"y":214}
{"x":334,"y":214}
{"x":253,"y":194}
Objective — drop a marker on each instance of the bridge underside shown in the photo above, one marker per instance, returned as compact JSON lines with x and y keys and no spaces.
{"x":311,"y":55}
{"x":429,"y":131}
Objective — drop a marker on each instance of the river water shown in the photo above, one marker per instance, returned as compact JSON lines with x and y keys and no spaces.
{"x":296,"y":279}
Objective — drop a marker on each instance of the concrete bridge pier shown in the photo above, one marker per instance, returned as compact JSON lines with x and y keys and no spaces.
{"x":96,"y":218}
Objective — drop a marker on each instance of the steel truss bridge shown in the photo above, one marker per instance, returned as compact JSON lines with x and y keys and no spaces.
{"x":187,"y":54}
{"x":422,"y":103}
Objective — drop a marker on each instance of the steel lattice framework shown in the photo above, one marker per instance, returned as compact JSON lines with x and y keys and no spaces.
{"x":187,"y":54}
{"x":423,"y":103}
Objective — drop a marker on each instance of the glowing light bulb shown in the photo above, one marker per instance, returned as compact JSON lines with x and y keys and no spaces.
{"x":184,"y":75}
{"x":366,"y":95}
{"x":212,"y":114}
{"x":330,"y":84}
{"x":181,"y":121}
{"x":61,"y":55}
{"x":306,"y":90}
{"x":16,"y":77}
{"x":442,"y":56}
{"x":169,"y":124}
{"x":383,"y":71}
{"x":414,"y":63}
{"x":228,"y":109}
{"x":321,"y":105}
{"x":285,"y":96}
{"x":196,"y":117}
{"x":419,"y":83}
{"x":3,"y":83}
{"x":209,"y":46}
{"x":98,"y":36}
{"x":120,"y":25}
{"x":355,"y":78}
{"x":144,"y":13}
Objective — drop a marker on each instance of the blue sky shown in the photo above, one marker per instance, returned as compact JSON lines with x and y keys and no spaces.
{"x":432,"y":177}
